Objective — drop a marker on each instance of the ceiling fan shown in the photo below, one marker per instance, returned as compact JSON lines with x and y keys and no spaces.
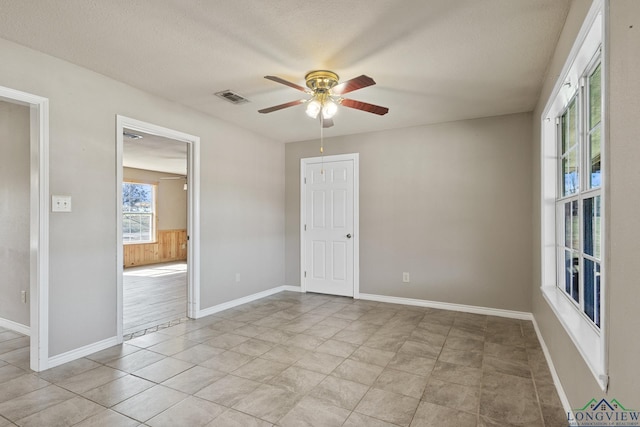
{"x":326,"y":94}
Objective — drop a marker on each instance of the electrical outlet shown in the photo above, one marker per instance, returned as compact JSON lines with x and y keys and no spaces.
{"x":237,"y":277}
{"x":23,"y":296}
{"x":406,"y":278}
{"x":60,"y":203}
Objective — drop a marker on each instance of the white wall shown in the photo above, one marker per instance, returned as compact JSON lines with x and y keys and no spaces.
{"x":448,"y":203}
{"x":14,"y":211}
{"x":242,"y":194}
{"x":622,"y":206}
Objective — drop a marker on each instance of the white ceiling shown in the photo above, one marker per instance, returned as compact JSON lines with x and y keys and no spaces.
{"x":155,"y":153}
{"x":433,"y":60}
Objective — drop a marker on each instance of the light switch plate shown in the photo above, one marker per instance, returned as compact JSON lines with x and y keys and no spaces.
{"x":60,"y":203}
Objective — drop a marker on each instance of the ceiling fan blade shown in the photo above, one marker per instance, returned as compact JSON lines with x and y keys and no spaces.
{"x":285,"y":82}
{"x":369,"y":108}
{"x":327,"y":123}
{"x":353,"y":84}
{"x":281,"y":106}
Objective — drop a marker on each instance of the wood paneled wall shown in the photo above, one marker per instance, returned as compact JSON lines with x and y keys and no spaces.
{"x":171,"y":246}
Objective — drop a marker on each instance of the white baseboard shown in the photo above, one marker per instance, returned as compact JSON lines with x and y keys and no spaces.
{"x":449,"y":306}
{"x":249,"y":298}
{"x":15,"y":326}
{"x":81,"y":352}
{"x":556,"y":379}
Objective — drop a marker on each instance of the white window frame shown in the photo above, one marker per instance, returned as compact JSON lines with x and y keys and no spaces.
{"x":590,"y":341}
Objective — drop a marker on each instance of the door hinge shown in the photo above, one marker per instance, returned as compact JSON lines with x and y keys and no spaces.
{"x":305,"y":227}
{"x":305,"y":180}
{"x":187,"y":237}
{"x":305,"y":274}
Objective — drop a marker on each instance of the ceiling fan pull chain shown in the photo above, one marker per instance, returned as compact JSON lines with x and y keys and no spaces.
{"x":321,"y":144}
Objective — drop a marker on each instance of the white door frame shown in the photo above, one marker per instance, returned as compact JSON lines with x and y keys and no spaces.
{"x":39,"y":224}
{"x":193,"y":211}
{"x":355,"y":157}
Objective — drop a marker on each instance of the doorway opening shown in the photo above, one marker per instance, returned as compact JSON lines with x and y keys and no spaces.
{"x":25,"y":311}
{"x":157,"y":227}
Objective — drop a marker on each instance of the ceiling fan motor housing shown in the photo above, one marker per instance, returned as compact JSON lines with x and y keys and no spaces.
{"x":321,"y":81}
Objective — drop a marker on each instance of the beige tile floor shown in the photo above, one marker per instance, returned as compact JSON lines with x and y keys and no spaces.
{"x":296,"y":360}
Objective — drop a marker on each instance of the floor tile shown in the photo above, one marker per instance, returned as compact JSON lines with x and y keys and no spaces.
{"x":163,"y":369}
{"x":401,"y":383}
{"x":267,"y":402}
{"x":108,"y":418}
{"x":194,"y":379}
{"x":412,"y":364}
{"x":306,"y":342}
{"x":520,"y":369}
{"x":19,"y":358}
{"x":391,"y":407}
{"x":201,"y":335}
{"x":149,"y":403}
{"x":457,"y":374}
{"x":198,"y":353}
{"x":228,"y":390}
{"x":261,"y":370}
{"x":191,"y":412}
{"x":364,"y":373}
{"x":297,"y":380}
{"x":253,"y":347}
{"x":116,"y":391}
{"x":360,"y":420}
{"x":233,"y":418}
{"x":467,"y":344}
{"x":456,"y":396}
{"x":36,"y":401}
{"x":423,"y":349}
{"x":226,"y":341}
{"x":148,"y":340}
{"x":505,"y":352}
{"x":323,"y":331}
{"x":112,"y":353}
{"x":9,"y":372}
{"x":172,"y":346}
{"x":466,"y":333}
{"x":320,"y":362}
{"x":553,"y":415}
{"x":285,"y":354}
{"x":339,"y":392}
{"x":20,"y":386}
{"x":91,"y":379}
{"x":135,"y":361}
{"x":373,"y":356}
{"x":337,"y":348}
{"x":314,"y":413}
{"x":226,"y":362}
{"x":472,"y":359}
{"x":509,"y":398}
{"x":68,"y":370}
{"x":63,"y":414}
{"x":430,"y":415}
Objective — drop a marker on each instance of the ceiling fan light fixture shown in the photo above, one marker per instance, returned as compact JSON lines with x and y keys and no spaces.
{"x":329,"y":109}
{"x":313,"y":108}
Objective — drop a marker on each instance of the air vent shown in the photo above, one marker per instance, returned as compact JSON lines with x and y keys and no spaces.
{"x":232,"y":97}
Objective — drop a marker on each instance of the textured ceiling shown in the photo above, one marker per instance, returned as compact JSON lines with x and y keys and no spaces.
{"x":433,"y":60}
{"x":156,"y":153}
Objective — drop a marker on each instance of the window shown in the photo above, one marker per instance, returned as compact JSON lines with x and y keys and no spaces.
{"x":573,"y":267}
{"x":579,"y":196}
{"x":138,"y":212}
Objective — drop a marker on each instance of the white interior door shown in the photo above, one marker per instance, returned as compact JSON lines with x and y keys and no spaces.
{"x":329,"y":226}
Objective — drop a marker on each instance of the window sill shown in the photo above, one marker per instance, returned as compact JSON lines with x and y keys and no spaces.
{"x":139,"y":243}
{"x":587,"y":340}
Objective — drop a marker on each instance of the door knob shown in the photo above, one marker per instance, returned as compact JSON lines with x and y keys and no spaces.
{"x":349,"y":236}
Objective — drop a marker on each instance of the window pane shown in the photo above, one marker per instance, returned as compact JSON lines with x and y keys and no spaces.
{"x":573,"y":123}
{"x":571,"y":226}
{"x":592,"y":290}
{"x":570,"y":173}
{"x":595,"y":82}
{"x":572,"y":275}
{"x":137,"y":197}
{"x":592,"y":226}
{"x":594,"y":157}
{"x":136,"y":227}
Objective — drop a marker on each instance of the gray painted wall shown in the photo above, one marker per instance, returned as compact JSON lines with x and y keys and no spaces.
{"x":242,"y":194}
{"x":622,"y":204}
{"x":171,"y":199}
{"x":448,"y":203}
{"x":14,"y":211}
